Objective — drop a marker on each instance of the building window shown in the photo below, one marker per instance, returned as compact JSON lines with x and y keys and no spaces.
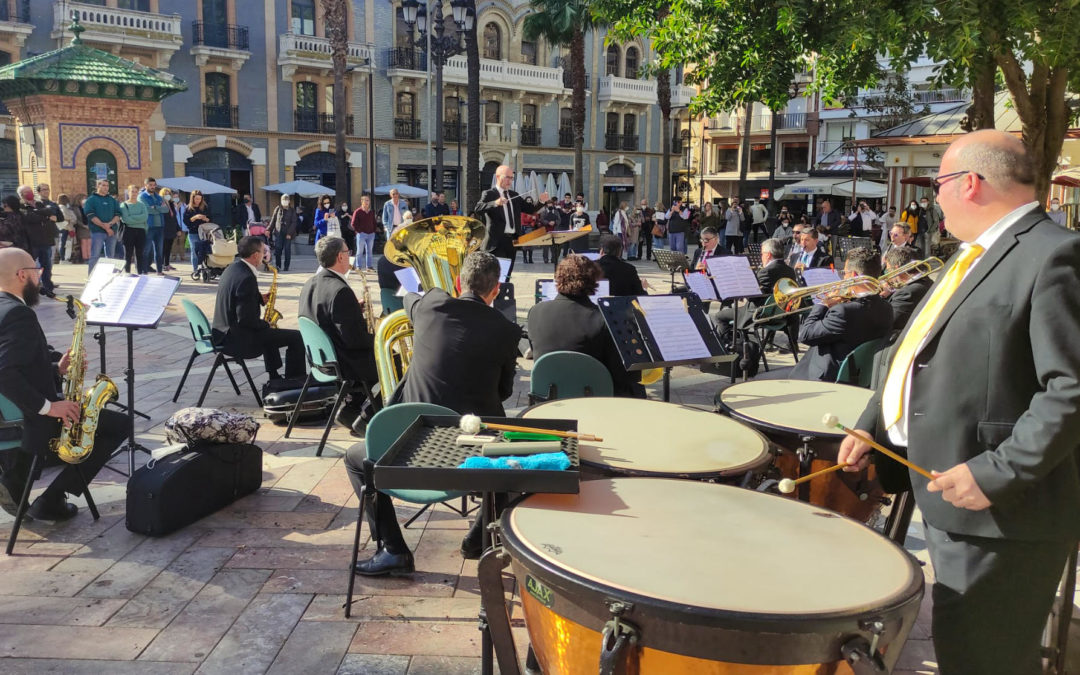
{"x":406,"y":107}
{"x":492,"y":42}
{"x":629,"y":125}
{"x":452,"y":109}
{"x":217,"y":101}
{"x":303,"y":17}
{"x":530,"y":134}
{"x":528,"y":115}
{"x":727,"y":158}
{"x":405,"y":123}
{"x":760,"y":154}
{"x":566,"y":128}
{"x":414,"y":176}
{"x":306,"y":96}
{"x":137,"y":5}
{"x":613,"y":60}
{"x":528,"y":52}
{"x":402,"y":34}
{"x":632,"y":60}
{"x":794,"y":157}
{"x":492,"y":112}
{"x":217,"y":89}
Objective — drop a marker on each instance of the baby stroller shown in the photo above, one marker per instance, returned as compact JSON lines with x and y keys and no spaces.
{"x":213,"y":251}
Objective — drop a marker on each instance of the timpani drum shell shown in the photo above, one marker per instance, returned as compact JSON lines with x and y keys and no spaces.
{"x":571,"y":608}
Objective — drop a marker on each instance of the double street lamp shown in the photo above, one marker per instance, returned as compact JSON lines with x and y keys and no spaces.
{"x":440,"y":48}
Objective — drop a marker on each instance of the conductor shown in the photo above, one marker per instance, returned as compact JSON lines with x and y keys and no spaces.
{"x":501,"y":209}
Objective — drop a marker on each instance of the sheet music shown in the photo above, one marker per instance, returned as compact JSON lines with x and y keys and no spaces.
{"x":700,"y":284}
{"x":815,"y":276}
{"x":410,"y":280}
{"x":732,"y":276}
{"x":113,"y":297}
{"x":104,"y":272}
{"x":676,"y":335}
{"x":548,"y":291}
{"x":148,"y":302}
{"x":504,"y":269}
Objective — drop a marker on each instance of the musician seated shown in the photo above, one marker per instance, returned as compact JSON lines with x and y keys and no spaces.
{"x":834,"y":328}
{"x":622,"y":277}
{"x":810,"y":254}
{"x":904,"y":300}
{"x":900,"y":237}
{"x":571,"y":322}
{"x":773,"y":269}
{"x":238,"y":324}
{"x":464,"y":358}
{"x":29,"y":377}
{"x":710,"y":240}
{"x":327,"y":299}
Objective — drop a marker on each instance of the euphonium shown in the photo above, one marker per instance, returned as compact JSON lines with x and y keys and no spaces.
{"x":76,"y":442}
{"x":271,"y":315}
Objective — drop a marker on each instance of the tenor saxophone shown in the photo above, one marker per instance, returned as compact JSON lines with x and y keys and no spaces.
{"x":76,"y":442}
{"x":369,"y":311}
{"x":271,"y":315}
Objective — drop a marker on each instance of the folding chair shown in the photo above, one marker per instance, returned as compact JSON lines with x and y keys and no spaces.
{"x":567,"y":374}
{"x":201,"y":332}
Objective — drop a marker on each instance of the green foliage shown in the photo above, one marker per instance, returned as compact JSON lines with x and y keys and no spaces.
{"x":556,"y":21}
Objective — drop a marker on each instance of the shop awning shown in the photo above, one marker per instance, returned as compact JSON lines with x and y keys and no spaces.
{"x":832,"y":186}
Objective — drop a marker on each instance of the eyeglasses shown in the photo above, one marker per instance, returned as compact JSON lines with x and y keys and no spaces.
{"x":938,"y":182}
{"x":36,"y":269}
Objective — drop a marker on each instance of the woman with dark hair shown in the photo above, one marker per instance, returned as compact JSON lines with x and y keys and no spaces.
{"x":326,"y":220}
{"x":171,"y":227}
{"x":82,"y":230}
{"x":196,"y":213}
{"x":571,"y":322}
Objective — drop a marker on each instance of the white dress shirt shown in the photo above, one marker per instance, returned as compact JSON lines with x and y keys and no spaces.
{"x":507,"y":213}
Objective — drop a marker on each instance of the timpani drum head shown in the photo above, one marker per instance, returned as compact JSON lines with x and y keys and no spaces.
{"x":657,"y":438}
{"x":796,"y":405}
{"x":714,"y":548}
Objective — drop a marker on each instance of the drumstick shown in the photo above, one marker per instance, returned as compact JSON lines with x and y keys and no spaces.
{"x":471,"y":424}
{"x":831,"y":420}
{"x":787,"y":486}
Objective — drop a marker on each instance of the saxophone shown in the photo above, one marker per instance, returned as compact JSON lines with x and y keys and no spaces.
{"x":271,"y":315}
{"x":369,"y":311}
{"x":76,"y":442}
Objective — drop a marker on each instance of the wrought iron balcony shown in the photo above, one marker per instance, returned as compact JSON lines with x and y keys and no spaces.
{"x":223,"y":116}
{"x":311,"y":122}
{"x":222,"y":36}
{"x":530,"y":136}
{"x":453,"y":132}
{"x":407,"y":128}
{"x":15,"y":11}
{"x":406,"y":58}
{"x":566,"y":137}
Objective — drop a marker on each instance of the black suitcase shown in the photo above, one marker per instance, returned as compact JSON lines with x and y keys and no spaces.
{"x":318,"y":401}
{"x":179,"y":489}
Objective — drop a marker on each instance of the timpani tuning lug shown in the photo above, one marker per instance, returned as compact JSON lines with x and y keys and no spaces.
{"x":862,"y":659}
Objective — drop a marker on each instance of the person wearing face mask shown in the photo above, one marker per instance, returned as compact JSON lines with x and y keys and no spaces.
{"x":284,"y":224}
{"x":1055,"y":213}
{"x":344,"y":216}
{"x":915,"y":218}
{"x":246,"y":213}
{"x":171,"y":226}
{"x":326,"y":220}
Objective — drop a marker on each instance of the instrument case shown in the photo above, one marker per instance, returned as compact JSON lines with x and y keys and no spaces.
{"x":178,"y":489}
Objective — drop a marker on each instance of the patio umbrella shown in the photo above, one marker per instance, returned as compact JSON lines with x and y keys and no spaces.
{"x":300,"y":187}
{"x":535,"y":186}
{"x":403,"y":190}
{"x":192,"y":183}
{"x":521,"y":184}
{"x":564,"y":185}
{"x":550,"y":187}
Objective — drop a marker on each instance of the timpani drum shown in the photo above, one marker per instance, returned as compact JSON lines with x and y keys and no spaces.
{"x":789,"y":412}
{"x":648,"y":575}
{"x":653,"y":438}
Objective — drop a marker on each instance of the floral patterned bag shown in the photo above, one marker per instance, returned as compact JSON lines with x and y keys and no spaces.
{"x":195,"y":426}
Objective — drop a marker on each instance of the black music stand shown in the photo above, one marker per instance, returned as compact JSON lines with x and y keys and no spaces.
{"x":672,"y":262}
{"x":845,"y":244}
{"x":637,"y":344}
{"x":734,"y":281}
{"x":753,"y":254}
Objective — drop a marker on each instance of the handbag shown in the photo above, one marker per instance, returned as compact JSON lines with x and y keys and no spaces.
{"x":659,"y":230}
{"x":210,"y":425}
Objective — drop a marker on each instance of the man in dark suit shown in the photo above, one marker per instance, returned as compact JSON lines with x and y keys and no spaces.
{"x":710,"y":241}
{"x":246,"y":213}
{"x":327,"y":299}
{"x":809,"y":254}
{"x":982,"y":388}
{"x":238,"y":324}
{"x":900,"y":237}
{"x":773,"y":269}
{"x":828,"y":218}
{"x":30,"y":377}
{"x":464,"y":358}
{"x":571,"y":322}
{"x":905,"y":299}
{"x":622,"y":277}
{"x":501,"y":209}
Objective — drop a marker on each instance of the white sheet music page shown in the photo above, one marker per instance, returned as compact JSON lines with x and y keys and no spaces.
{"x":410,"y":280}
{"x":548,"y":290}
{"x":104,"y":272}
{"x":732,"y":276}
{"x":815,"y":276}
{"x":112,"y":299}
{"x":700,"y":284}
{"x":148,"y":302}
{"x":675,"y":333}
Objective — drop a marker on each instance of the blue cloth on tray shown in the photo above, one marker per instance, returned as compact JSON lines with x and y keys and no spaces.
{"x":547,"y":461}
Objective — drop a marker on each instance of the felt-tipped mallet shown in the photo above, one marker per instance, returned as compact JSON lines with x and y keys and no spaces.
{"x":833,"y":422}
{"x":471,"y":424}
{"x":787,"y":485}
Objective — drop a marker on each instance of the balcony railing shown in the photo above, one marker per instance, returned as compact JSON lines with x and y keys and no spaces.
{"x":530,"y":136}
{"x":783,"y":121}
{"x":621,"y":142}
{"x":566,"y":137}
{"x":120,"y":26}
{"x":406,"y":58}
{"x":222,"y":36}
{"x":311,"y":122}
{"x":630,"y":142}
{"x":453,"y":132}
{"x":681,"y":95}
{"x":16,"y":12}
{"x":876,"y":97}
{"x":313,"y":53}
{"x":406,"y":128}
{"x":223,"y":116}
{"x":327,"y":126}
{"x":506,"y":75}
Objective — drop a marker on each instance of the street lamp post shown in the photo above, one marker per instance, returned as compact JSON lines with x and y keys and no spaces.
{"x":701,"y":166}
{"x":686,"y":138}
{"x":441,"y":47}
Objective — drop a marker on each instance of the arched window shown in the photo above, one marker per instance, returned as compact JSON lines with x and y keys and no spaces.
{"x":492,"y":42}
{"x":632,"y":60}
{"x":612,"y":60}
{"x":406,"y":107}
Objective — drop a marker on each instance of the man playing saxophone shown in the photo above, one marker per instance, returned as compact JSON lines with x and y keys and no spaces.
{"x":30,"y":377}
{"x":327,"y":299}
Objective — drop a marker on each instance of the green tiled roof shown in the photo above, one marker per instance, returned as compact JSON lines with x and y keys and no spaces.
{"x":79,"y":70}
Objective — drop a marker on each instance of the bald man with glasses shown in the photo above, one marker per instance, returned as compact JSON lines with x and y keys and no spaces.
{"x":501,"y":209}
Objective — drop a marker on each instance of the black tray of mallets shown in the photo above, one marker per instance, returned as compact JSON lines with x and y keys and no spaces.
{"x":426,"y":457}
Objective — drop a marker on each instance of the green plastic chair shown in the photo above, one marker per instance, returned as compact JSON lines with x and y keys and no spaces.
{"x":201,"y":332}
{"x":857,"y":368}
{"x":565,"y":374}
{"x":767,"y":330}
{"x":382,"y":431}
{"x":390,"y":301}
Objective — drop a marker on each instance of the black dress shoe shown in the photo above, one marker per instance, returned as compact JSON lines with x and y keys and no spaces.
{"x":52,"y":509}
{"x":385,"y":563}
{"x":471,"y":550}
{"x":347,"y":415}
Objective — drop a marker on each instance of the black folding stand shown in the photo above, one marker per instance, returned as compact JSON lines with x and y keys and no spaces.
{"x":637,"y":346}
{"x":100,"y":337}
{"x":129,"y":380}
{"x":672,"y":262}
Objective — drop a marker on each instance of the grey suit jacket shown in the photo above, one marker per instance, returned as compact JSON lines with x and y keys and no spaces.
{"x":997,"y":386}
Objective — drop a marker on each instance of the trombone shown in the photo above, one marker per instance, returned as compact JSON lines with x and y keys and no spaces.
{"x":788,"y":295}
{"x":914,"y":270}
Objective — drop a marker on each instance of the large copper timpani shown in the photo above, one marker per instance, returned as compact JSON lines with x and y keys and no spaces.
{"x":789,"y":412}
{"x":652,"y":438}
{"x":688,"y":570}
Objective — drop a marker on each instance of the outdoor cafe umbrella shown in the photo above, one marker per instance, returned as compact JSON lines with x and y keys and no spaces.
{"x":550,"y":187}
{"x":564,"y":185}
{"x":300,"y":187}
{"x":192,"y":183}
{"x":403,"y":190}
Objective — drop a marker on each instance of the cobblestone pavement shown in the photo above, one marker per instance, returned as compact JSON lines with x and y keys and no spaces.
{"x":258,"y":587}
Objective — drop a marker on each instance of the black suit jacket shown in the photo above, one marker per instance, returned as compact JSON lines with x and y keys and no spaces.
{"x":495,"y":219}
{"x":240,"y":214}
{"x":238,"y":311}
{"x":699,"y":254}
{"x":28,"y":374}
{"x":621,"y":275}
{"x":831,"y":333}
{"x":997,"y":386}
{"x":328,"y":301}
{"x":768,"y":275}
{"x":905,"y":299}
{"x":464,"y":353}
{"x":575,"y":324}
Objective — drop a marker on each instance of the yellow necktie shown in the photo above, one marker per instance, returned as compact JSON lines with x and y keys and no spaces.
{"x":892,"y":398}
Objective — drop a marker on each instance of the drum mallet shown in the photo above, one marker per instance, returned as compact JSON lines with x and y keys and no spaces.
{"x":833,"y":421}
{"x":471,"y":424}
{"x":787,"y":485}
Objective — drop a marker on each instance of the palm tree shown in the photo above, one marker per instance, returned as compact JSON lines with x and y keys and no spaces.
{"x":338,"y":32}
{"x":663,"y":99}
{"x":564,"y":23}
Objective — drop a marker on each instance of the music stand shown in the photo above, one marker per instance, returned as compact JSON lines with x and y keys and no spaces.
{"x":638,"y":340}
{"x":734,"y":280}
{"x":670,"y":261}
{"x":848,"y":243}
{"x":132,"y":303}
{"x":753,"y":253}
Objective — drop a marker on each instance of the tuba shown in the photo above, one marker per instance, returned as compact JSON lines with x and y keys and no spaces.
{"x":76,"y":442}
{"x":435,"y":248}
{"x":272,"y":315}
